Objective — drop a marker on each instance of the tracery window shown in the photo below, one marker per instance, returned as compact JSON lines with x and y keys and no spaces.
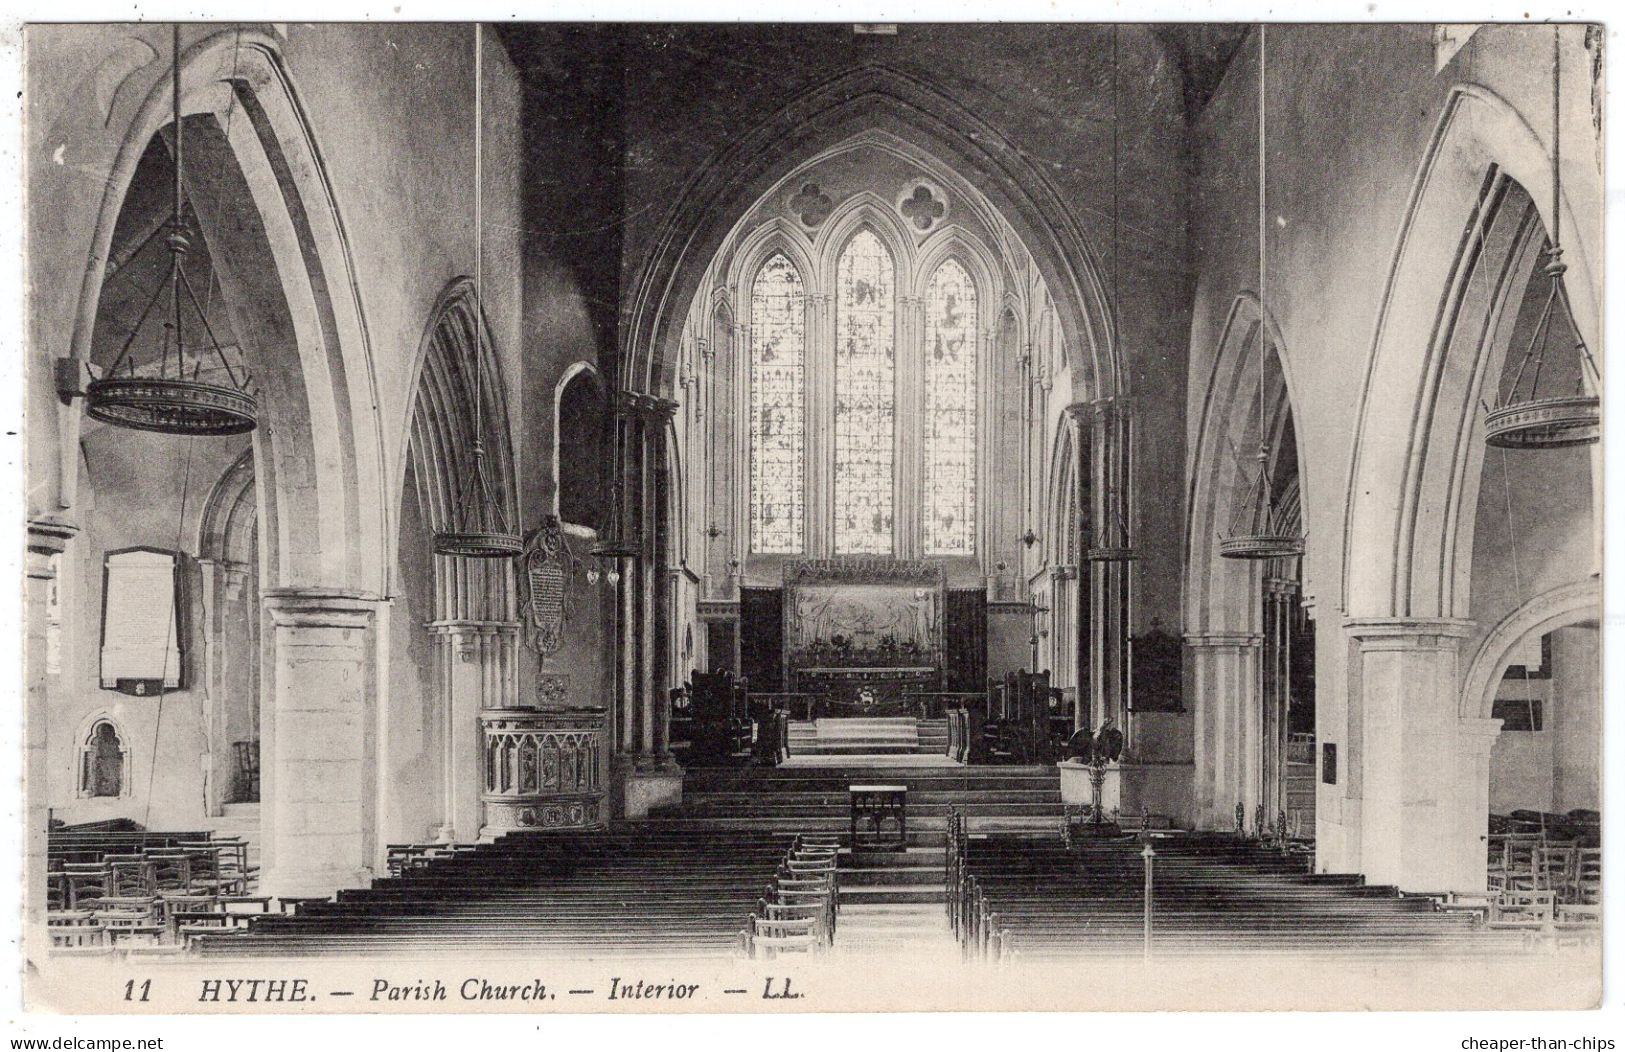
{"x":834,"y":346}
{"x":865,"y":395}
{"x":778,"y":399}
{"x":950,"y":412}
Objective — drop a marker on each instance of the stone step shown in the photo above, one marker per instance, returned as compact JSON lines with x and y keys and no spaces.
{"x":933,"y":875}
{"x":861,"y":721}
{"x":893,"y":893}
{"x":825,"y":747}
{"x":703,"y":808}
{"x":775,"y":798}
{"x":914,"y":856}
{"x":939,"y":779}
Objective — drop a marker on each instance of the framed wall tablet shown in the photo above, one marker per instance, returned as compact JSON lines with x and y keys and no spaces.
{"x":141,"y":637}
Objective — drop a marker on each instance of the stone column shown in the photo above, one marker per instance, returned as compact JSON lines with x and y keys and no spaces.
{"x":1080,"y":421}
{"x":319,"y":745}
{"x":47,"y":538}
{"x":1413,"y":830}
{"x":1470,"y":818}
{"x":227,"y":637}
{"x":644,"y":775}
{"x":627,"y":724}
{"x":477,"y":665}
{"x":1108,"y":526}
{"x":1276,"y":671}
{"x":1225,"y":699}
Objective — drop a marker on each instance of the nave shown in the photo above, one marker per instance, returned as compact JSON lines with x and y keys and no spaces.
{"x":545,"y":502}
{"x":760,"y":863}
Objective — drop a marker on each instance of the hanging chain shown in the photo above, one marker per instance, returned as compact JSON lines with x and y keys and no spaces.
{"x":1263,"y":508}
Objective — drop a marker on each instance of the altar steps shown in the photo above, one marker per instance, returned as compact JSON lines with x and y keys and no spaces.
{"x":1016,"y":800}
{"x":868,"y":736}
{"x":835,"y":779}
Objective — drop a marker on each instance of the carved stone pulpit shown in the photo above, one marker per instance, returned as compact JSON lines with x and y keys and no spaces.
{"x":543,"y":769}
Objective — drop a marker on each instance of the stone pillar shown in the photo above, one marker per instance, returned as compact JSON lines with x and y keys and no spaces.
{"x":229,"y":654}
{"x":1414,"y":826}
{"x":645,"y":775}
{"x":1475,"y":736}
{"x":1225,"y":699}
{"x":319,"y":745}
{"x":1080,"y":424}
{"x":47,"y":538}
{"x":477,"y":666}
{"x":1276,"y":672}
{"x":1107,"y":526}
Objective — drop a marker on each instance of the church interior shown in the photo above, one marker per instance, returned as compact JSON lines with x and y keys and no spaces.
{"x":531,"y":487}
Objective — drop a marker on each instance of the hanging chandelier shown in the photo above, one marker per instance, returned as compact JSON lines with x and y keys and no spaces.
{"x":1257,"y":529}
{"x":174,"y":398}
{"x":1546,"y":405}
{"x":1118,"y":547}
{"x":480,"y":527}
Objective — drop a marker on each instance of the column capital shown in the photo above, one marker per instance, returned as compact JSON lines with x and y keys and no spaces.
{"x":471,"y":627}
{"x":1223,"y":640}
{"x":636,"y":403}
{"x":1409,"y":633}
{"x":1478,"y":733}
{"x":317,"y":607}
{"x":1080,"y":412}
{"x":49,"y":535}
{"x":1120,"y":403}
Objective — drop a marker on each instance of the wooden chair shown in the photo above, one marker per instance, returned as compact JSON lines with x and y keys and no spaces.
{"x":1555,"y":865}
{"x":1530,"y":912}
{"x":74,"y":929}
{"x":774,"y":938}
{"x":86,"y":882}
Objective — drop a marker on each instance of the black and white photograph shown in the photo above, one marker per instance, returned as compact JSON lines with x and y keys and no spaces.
{"x":788,"y":516}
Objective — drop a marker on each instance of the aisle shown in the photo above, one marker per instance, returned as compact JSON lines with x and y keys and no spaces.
{"x":894,"y":903}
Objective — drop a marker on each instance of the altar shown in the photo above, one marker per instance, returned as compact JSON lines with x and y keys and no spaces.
{"x":864,"y":632}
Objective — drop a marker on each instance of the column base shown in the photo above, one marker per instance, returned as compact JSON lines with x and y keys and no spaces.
{"x":324,"y":881}
{"x":639,"y":790}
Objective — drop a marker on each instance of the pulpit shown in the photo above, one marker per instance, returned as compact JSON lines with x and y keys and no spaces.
{"x":542,"y":769}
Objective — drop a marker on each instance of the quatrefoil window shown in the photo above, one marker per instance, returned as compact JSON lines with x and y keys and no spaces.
{"x":812,"y":205}
{"x":922,"y":208}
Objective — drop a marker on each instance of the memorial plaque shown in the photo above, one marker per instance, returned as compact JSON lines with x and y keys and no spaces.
{"x":141,"y":652}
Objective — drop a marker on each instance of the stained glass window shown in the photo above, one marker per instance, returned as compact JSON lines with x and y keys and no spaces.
{"x":865,"y":395}
{"x":778,"y":330}
{"x":950,"y":412}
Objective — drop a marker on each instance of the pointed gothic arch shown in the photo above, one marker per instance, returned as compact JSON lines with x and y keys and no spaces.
{"x":441,"y":434}
{"x":294,"y":286}
{"x":877,"y":103}
{"x":1470,"y":234}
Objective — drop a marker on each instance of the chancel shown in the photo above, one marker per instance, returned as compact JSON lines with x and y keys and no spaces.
{"x":1000,"y":492}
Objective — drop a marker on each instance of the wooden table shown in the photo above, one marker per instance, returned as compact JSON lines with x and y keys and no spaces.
{"x":874,"y":807}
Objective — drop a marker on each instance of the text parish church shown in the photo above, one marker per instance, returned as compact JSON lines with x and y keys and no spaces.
{"x":864,"y":463}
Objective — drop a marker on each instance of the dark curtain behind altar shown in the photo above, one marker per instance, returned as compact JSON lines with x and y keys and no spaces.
{"x":965,"y":633}
{"x":761,"y":639}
